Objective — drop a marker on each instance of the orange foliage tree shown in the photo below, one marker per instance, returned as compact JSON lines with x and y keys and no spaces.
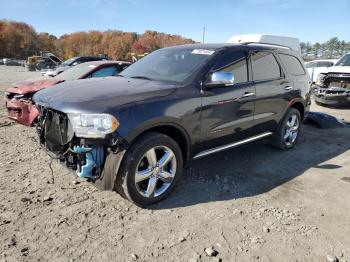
{"x":20,"y":40}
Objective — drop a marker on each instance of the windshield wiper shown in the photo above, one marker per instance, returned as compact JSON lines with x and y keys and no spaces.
{"x":141,"y":77}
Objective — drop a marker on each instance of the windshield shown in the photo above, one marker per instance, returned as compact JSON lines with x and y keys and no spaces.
{"x":75,"y":72}
{"x":68,"y":62}
{"x":174,"y":65}
{"x":344,"y":61}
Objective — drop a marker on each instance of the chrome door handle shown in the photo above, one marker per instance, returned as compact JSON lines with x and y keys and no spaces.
{"x":248,"y":94}
{"x":288,"y":88}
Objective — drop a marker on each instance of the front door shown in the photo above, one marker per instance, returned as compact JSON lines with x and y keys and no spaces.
{"x":228,"y":111}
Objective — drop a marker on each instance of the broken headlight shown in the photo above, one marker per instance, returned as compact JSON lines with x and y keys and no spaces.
{"x":93,"y":125}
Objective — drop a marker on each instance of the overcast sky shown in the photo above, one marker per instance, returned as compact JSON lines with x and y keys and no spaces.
{"x":306,"y":19}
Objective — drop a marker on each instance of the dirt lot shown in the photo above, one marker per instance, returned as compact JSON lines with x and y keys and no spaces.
{"x":252,"y":203}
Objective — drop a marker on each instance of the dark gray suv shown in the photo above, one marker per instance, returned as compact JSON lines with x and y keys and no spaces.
{"x":134,"y":133}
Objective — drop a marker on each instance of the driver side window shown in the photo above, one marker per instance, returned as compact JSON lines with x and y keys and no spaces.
{"x":234,"y":62}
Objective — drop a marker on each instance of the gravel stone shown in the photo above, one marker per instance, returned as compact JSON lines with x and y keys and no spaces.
{"x":210,"y":251}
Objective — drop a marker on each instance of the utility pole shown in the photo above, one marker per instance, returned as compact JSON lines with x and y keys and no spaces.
{"x":203,"y":34}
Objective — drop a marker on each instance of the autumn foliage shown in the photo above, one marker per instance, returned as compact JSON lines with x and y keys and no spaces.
{"x":20,"y":40}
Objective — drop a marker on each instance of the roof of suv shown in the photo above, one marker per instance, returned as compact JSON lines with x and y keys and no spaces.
{"x":218,"y":46}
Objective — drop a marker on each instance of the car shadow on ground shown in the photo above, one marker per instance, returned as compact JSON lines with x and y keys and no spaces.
{"x":255,"y":168}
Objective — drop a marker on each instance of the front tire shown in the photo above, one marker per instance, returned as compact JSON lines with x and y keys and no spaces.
{"x":288,"y":133}
{"x":150,"y":169}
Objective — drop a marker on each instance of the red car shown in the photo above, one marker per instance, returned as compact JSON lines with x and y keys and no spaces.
{"x":18,"y":99}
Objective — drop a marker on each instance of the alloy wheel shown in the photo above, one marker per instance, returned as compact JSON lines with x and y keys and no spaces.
{"x":291,"y":130}
{"x":155,"y":171}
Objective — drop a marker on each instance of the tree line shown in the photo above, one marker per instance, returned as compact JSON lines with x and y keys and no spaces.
{"x":20,"y":40}
{"x":331,"y":49}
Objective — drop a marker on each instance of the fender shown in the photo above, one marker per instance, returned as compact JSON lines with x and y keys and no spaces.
{"x":295,"y":100}
{"x":156,"y":123}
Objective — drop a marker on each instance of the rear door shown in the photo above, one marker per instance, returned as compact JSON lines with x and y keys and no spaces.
{"x":228,"y":111}
{"x":272,"y":90}
{"x":297,"y":72}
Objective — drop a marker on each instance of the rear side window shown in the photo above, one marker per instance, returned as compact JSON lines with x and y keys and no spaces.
{"x":106,"y":71}
{"x":236,"y":63}
{"x":265,"y":66}
{"x":292,"y":65}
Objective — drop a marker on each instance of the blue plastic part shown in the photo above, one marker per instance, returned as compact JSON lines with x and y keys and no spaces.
{"x":94,"y":161}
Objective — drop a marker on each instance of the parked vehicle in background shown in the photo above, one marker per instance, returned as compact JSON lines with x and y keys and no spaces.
{"x":44,"y":61}
{"x":333,"y":83}
{"x":73,"y":62}
{"x":316,"y":66}
{"x":135,"y":132}
{"x":12,"y":62}
{"x":135,"y":57}
{"x":18,"y":99}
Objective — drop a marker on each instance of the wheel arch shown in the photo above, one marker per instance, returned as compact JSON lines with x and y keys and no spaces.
{"x":172,"y":130}
{"x":298,"y":105}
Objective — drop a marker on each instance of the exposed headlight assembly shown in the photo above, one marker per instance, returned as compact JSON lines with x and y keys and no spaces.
{"x":93,"y":125}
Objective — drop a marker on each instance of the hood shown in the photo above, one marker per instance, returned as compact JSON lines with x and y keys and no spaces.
{"x":336,"y":69}
{"x":33,"y":85}
{"x":100,"y":95}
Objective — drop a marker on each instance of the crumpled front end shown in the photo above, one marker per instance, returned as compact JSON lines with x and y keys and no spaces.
{"x":334,"y":89}
{"x":21,"y":108}
{"x":87,"y":157}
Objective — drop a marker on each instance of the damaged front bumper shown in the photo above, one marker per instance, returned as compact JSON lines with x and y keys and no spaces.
{"x":96,"y":160}
{"x":332,"y":95}
{"x":22,"y":111}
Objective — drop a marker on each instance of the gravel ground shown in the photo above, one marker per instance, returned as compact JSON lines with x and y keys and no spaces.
{"x":253,"y":203}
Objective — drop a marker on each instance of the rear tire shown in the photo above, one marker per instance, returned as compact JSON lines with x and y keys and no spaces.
{"x":150,"y":169}
{"x":288,"y":133}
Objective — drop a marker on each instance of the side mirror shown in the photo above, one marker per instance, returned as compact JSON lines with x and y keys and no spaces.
{"x":220,"y":79}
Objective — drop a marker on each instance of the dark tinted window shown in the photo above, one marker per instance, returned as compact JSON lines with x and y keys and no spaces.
{"x":292,"y":65}
{"x":265,"y":66}
{"x":88,"y":59}
{"x":55,"y":59}
{"x":236,"y":63}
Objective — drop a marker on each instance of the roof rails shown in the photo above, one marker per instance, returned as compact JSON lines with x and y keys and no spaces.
{"x":267,"y":40}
